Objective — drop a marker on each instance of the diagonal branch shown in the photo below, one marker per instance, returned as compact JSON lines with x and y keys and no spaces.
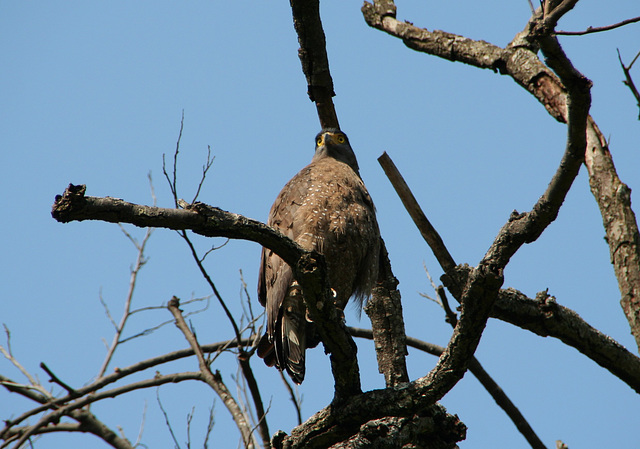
{"x":213,"y":380}
{"x":428,"y":232}
{"x":542,"y":318}
{"x":627,"y":75}
{"x":483,"y":377}
{"x":519,"y":60}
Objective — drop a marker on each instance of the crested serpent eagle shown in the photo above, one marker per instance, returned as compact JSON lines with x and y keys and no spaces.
{"x":326,"y":208}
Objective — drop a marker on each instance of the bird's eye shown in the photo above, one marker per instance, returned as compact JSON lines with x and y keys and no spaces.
{"x":319,"y":141}
{"x":341,"y":139}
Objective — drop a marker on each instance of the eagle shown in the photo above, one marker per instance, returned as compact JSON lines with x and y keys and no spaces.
{"x":326,"y":208}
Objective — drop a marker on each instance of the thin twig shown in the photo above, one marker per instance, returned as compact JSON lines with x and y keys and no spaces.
{"x":450,"y":315}
{"x":590,"y":30}
{"x":57,"y":380}
{"x":34,"y":384}
{"x":205,"y":169}
{"x":628,"y":80}
{"x":189,"y":419}
{"x":212,"y":285}
{"x":166,"y":420}
{"x":140,"y":261}
{"x":152,"y":329}
{"x":249,"y":311}
{"x":108,"y":313}
{"x":295,"y":399}
{"x":50,"y":402}
{"x":142,"y":423}
{"x":213,"y":248}
{"x":213,"y":380}
{"x":210,"y":424}
{"x":173,"y":184}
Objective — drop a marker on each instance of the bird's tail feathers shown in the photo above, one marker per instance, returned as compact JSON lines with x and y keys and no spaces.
{"x":291,"y":344}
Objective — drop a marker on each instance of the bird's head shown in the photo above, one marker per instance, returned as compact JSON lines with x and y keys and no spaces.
{"x":332,"y":142}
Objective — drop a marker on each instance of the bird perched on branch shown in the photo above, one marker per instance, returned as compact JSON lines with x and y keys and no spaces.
{"x":326,"y":208}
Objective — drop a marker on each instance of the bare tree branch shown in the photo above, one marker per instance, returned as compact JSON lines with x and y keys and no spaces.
{"x":590,"y":30}
{"x":483,"y":377}
{"x":213,"y":380}
{"x":384,"y":309}
{"x":428,"y":232}
{"x":167,"y":421}
{"x":295,"y":399}
{"x":544,"y":317}
{"x":140,"y":261}
{"x":515,"y":308}
{"x":172,"y":180}
{"x":308,"y":266}
{"x":243,"y":356}
{"x":628,"y":80}
{"x":120,"y":373}
{"x":313,"y":56}
{"x":87,"y":421}
{"x":553,"y":10}
{"x":519,"y":60}
{"x":56,"y":380}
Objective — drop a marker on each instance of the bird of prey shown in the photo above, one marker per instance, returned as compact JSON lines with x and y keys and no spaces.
{"x":325,"y":207}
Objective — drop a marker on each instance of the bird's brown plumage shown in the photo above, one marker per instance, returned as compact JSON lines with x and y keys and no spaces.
{"x":327,"y":208}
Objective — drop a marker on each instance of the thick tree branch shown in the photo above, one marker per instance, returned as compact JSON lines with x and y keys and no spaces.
{"x":313,"y":56}
{"x":385,"y":312}
{"x":483,"y":377}
{"x":519,"y":60}
{"x":559,"y":322}
{"x":208,"y":221}
{"x":309,"y":267}
{"x":478,"y":295}
{"x":341,"y":421}
{"x":544,"y":317}
{"x":526,"y":228}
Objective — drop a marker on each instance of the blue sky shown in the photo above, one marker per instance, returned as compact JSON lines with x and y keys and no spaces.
{"x":92,"y":93}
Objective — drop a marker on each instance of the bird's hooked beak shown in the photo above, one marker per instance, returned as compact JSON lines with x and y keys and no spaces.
{"x":328,"y":138}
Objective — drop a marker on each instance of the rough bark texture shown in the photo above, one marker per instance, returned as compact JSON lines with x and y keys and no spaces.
{"x":619,"y":220}
{"x":519,"y":60}
{"x":385,"y":312}
{"x":313,"y":56}
{"x":309,"y":267}
{"x":343,"y":418}
{"x":544,"y":317}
